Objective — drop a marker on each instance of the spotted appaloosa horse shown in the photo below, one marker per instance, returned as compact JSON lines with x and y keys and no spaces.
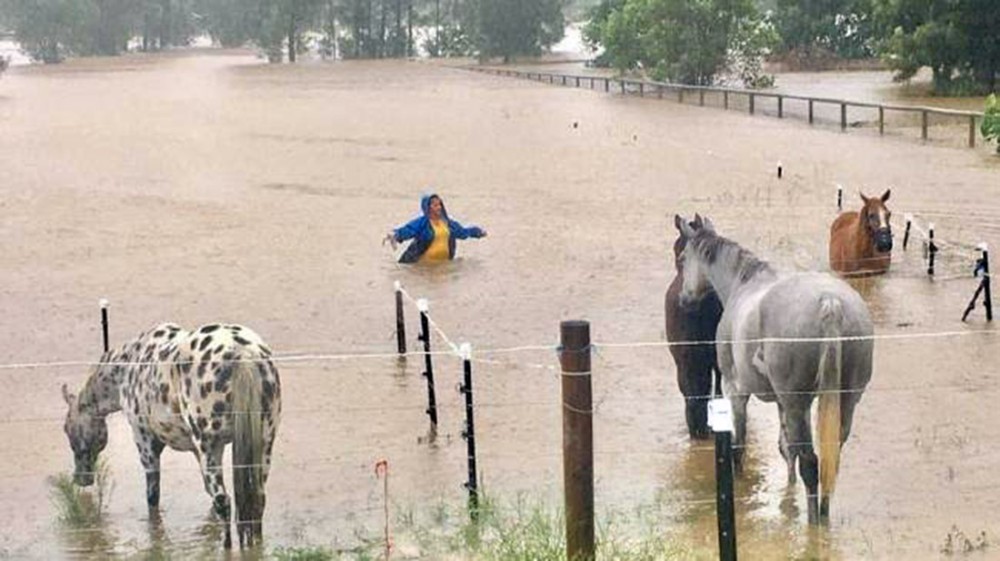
{"x":192,"y":391}
{"x":861,"y":242}
{"x":695,"y":363}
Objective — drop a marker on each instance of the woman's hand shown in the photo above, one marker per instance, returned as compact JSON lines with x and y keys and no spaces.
{"x":391,"y":239}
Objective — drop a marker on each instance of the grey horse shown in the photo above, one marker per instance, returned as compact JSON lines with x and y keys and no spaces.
{"x":785,"y":338}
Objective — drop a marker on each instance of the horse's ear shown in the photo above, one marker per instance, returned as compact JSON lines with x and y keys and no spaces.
{"x":66,"y":395}
{"x":683,"y":227}
{"x":697,"y":221}
{"x":885,"y":196}
{"x":707,"y":225}
{"x":864,"y":199}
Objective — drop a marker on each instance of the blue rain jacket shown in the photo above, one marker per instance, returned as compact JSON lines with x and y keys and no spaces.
{"x":422,"y":233}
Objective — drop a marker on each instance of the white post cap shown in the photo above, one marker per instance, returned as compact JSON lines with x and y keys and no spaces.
{"x":983,"y":246}
{"x":397,"y":286}
{"x":423,"y":305}
{"x":465,"y":351}
{"x":103,"y":303}
{"x":908,"y":217}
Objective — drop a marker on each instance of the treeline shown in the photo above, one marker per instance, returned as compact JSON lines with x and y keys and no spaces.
{"x":50,"y":30}
{"x":696,"y":41}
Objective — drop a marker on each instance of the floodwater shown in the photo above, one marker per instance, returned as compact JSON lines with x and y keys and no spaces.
{"x":206,"y":186}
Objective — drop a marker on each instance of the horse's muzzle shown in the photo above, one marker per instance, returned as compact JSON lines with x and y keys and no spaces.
{"x":883,"y":240}
{"x":84,"y":479}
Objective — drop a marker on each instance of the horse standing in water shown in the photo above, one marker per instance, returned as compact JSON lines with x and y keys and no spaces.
{"x":695,"y":363}
{"x":861,"y":242}
{"x":781,"y":339}
{"x":192,"y":391}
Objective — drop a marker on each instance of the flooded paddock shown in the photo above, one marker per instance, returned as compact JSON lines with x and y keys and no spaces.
{"x":202,"y":187}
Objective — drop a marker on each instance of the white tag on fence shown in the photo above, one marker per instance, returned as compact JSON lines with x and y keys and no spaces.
{"x":720,"y":415}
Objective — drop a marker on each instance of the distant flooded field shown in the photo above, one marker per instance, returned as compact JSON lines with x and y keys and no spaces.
{"x":205,"y":186}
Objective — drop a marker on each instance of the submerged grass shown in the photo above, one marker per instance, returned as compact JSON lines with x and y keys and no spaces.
{"x":78,"y":507}
{"x":518,"y":530}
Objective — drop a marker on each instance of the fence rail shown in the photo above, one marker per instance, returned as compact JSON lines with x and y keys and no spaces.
{"x":658,"y":89}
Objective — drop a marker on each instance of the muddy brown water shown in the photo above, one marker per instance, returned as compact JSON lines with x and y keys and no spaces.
{"x":200,"y":187}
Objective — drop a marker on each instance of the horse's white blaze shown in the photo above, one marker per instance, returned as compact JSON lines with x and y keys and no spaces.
{"x":882,"y":222}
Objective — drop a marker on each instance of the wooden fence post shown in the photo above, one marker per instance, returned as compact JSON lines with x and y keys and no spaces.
{"x":881,"y":120}
{"x":810,"y":111}
{"x":725,"y":99}
{"x":843,"y":116}
{"x":578,"y":439}
{"x":781,"y":111}
{"x":751,"y":104}
{"x":972,"y":131}
{"x":923,"y":125}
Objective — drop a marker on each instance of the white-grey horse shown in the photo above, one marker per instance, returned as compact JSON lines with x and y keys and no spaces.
{"x":785,"y":338}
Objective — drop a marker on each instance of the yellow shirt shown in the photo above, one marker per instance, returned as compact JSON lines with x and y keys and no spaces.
{"x":438,"y":250}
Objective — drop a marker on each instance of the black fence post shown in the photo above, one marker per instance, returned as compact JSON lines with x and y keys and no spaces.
{"x":843,"y":116}
{"x":906,"y":234}
{"x":881,"y":120}
{"x":810,"y":111}
{"x":931,"y":249}
{"x":104,"y":322}
{"x":721,"y":420}
{"x":780,"y":171}
{"x":840,"y":202}
{"x":983,"y":267}
{"x":469,"y":434}
{"x":988,"y":296}
{"x":425,"y":336}
{"x":781,"y":107}
{"x":578,"y":439}
{"x":400,"y":321}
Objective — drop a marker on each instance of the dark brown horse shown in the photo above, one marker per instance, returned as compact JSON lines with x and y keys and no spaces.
{"x":861,"y":242}
{"x":695,"y":363}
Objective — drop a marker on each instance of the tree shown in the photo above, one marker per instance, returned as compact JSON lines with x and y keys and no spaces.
{"x":510,"y":28}
{"x":49,"y":30}
{"x":812,"y":27}
{"x":688,"y":41}
{"x":959,"y":40}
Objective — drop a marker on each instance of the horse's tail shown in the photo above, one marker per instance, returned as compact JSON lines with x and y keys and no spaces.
{"x":248,"y":450}
{"x":829,"y":421}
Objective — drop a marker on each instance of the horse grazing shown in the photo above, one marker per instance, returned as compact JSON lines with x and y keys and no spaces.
{"x":781,"y":338}
{"x":192,"y":391}
{"x":861,"y":242}
{"x":695,"y":363}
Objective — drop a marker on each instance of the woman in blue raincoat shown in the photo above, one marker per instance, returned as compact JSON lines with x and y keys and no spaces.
{"x":433,"y":233}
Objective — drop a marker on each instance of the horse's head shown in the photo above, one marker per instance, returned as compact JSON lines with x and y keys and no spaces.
{"x":875,"y":218}
{"x":690,"y":263}
{"x":88,"y":435}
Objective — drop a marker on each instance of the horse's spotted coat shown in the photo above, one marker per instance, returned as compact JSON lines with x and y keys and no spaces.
{"x":174,"y":387}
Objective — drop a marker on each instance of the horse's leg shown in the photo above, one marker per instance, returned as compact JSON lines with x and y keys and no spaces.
{"x":739,"y":405}
{"x":150,"y":449}
{"x":210,"y":459}
{"x":800,"y":444}
{"x":783,"y":447}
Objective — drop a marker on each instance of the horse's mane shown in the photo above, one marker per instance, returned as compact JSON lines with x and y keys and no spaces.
{"x":712,"y":247}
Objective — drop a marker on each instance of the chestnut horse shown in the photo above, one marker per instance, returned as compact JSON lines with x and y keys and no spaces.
{"x":695,"y":363}
{"x":861,"y":242}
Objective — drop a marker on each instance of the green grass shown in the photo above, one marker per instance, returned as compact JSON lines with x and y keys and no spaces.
{"x":520,"y":530}
{"x":78,"y":507}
